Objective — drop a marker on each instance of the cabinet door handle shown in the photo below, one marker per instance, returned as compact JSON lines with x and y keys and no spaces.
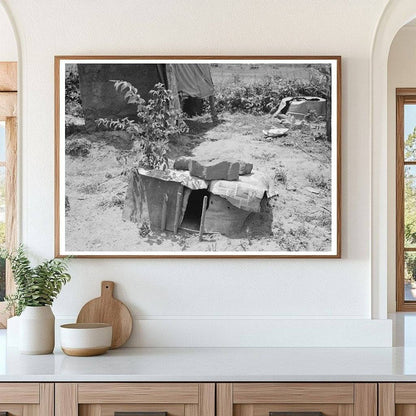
{"x":137,"y":414}
{"x":296,"y":414}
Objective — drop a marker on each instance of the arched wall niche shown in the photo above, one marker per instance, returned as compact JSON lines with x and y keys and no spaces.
{"x":396,"y":14}
{"x":401,"y":74}
{"x":9,"y":50}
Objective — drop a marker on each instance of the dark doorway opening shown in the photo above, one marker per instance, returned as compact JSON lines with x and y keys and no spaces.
{"x":192,"y":218}
{"x":193,"y":106}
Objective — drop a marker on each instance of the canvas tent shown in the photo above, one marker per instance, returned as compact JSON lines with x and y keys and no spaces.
{"x":100,"y":99}
{"x":194,"y":80}
{"x":230,"y":203}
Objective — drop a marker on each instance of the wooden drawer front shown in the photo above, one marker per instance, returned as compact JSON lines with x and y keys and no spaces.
{"x":138,"y":393}
{"x":331,"y":399}
{"x":27,"y":399}
{"x":293,"y":393}
{"x":19,"y":393}
{"x":104,"y":399}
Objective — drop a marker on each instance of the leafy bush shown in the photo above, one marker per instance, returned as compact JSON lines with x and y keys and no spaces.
{"x":262,"y":97}
{"x":73,"y":104}
{"x":157,"y":122}
{"x":35,"y":286}
{"x":410,"y":192}
{"x":410,"y":267}
{"x":77,"y":147}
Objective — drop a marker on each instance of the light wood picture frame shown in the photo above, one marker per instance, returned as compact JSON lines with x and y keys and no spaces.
{"x":198,"y":156}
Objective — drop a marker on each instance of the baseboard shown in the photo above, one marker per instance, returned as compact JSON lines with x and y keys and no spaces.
{"x":251,"y":332}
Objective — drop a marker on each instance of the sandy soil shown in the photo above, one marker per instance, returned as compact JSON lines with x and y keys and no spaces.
{"x":298,"y":163}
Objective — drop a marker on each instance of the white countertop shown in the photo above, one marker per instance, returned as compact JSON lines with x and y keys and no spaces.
{"x":213,"y":364}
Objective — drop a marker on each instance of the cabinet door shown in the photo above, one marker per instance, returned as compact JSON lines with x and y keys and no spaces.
{"x":145,"y":399}
{"x":296,"y":399}
{"x":26,"y":399}
{"x":397,"y":399}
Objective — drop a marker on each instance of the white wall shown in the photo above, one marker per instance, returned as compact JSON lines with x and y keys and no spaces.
{"x":179,"y":302}
{"x":8,"y":47}
{"x":401,"y":74}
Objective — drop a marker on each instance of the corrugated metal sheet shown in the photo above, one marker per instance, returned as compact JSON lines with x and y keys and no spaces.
{"x":246,"y":193}
{"x":180,"y":176}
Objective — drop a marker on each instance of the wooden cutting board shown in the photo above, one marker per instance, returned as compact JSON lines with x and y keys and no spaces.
{"x":107,"y":309}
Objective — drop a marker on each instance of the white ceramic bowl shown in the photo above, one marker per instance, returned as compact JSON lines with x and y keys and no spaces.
{"x":83,"y":340}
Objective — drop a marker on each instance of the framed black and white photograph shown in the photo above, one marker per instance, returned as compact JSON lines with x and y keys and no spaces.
{"x":198,"y":156}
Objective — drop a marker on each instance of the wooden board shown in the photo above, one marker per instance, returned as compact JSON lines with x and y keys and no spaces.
{"x":107,"y":309}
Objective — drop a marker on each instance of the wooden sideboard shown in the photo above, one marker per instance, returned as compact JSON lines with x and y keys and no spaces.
{"x":208,"y":399}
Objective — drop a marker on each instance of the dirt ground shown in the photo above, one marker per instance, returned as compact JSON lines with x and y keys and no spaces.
{"x":298,"y":163}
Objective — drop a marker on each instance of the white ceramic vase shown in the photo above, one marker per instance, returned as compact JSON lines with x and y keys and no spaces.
{"x":13,"y":331}
{"x":37,"y":330}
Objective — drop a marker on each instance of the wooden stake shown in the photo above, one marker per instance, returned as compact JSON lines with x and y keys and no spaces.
{"x":164,"y":212}
{"x":178,"y":209}
{"x":204,"y":209}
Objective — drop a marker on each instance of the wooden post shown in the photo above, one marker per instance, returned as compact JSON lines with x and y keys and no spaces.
{"x":164,"y":212}
{"x":173,"y":86}
{"x":204,"y":209}
{"x":178,"y":209}
{"x":212,"y":108}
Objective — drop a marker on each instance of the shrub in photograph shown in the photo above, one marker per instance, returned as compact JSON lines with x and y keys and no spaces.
{"x":157,"y":122}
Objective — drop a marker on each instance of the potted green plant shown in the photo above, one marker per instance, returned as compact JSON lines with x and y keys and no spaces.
{"x":36,"y":289}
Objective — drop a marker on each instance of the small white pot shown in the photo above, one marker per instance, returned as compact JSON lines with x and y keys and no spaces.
{"x":86,"y":339}
{"x":37,"y":330}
